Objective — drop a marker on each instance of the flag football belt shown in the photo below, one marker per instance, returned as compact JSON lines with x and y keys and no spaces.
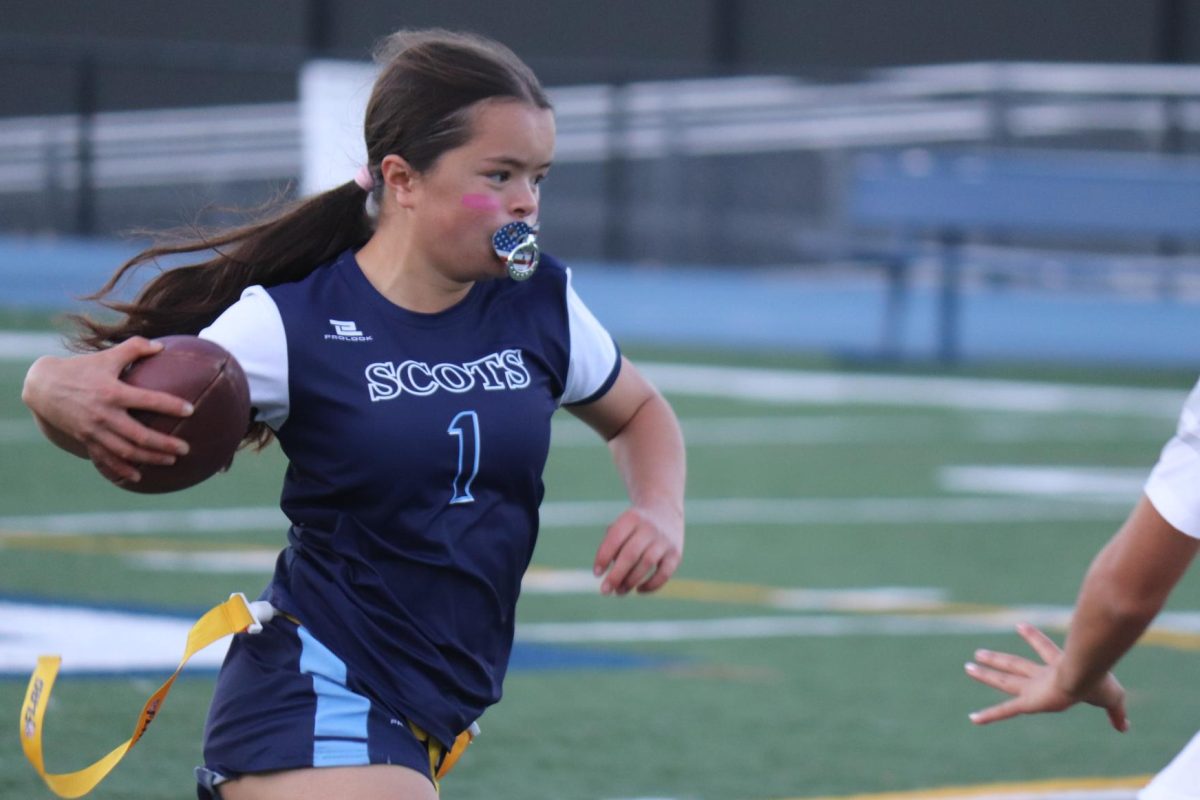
{"x":441,"y":760}
{"x":235,"y":615}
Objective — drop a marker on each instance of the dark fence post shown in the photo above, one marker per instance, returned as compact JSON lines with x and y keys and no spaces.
{"x":319,"y":20}
{"x":891,"y":343}
{"x":950,"y":298}
{"x":1171,"y":48}
{"x":85,"y":108}
{"x":617,"y":199}
{"x":727,"y":35}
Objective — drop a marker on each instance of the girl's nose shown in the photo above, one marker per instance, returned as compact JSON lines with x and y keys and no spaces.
{"x":525,"y":202}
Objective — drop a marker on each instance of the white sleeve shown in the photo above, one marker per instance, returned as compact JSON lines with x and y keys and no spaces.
{"x":1179,"y":779}
{"x":595,"y":358}
{"x":252,"y":330}
{"x":1174,"y":483}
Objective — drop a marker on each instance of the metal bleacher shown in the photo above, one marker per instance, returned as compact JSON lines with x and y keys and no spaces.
{"x":1048,"y":175}
{"x":1021,"y":209}
{"x":659,"y":158}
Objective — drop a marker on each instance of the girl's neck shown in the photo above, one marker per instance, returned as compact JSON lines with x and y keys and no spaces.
{"x":406,"y":278}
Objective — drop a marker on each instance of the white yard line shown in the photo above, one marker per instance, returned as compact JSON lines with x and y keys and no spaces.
{"x":149,"y":522}
{"x":1113,"y":483}
{"x":774,"y":430}
{"x":833,"y":388}
{"x":14,"y":431}
{"x":29,"y":345}
{"x":1125,"y":788}
{"x":977,"y":426}
{"x":581,"y":582}
{"x":870,"y":599}
{"x":255,"y":562}
{"x":780,"y":627}
{"x":935,"y":623}
{"x":815,"y":430}
{"x":847,"y":511}
{"x":85,"y":636}
{"x":586,"y":513}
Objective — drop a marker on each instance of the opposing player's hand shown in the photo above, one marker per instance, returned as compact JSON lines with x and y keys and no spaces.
{"x":1034,"y":687}
{"x":641,"y":550}
{"x":83,"y":399}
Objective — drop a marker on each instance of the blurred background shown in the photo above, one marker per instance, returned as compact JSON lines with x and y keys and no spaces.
{"x":735,"y":173}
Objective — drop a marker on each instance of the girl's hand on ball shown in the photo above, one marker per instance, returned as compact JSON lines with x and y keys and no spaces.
{"x":82,"y":398}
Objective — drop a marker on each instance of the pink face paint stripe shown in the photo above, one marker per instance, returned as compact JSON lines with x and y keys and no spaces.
{"x":480,"y":202}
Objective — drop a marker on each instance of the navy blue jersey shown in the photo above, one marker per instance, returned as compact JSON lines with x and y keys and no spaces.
{"x":416,"y":444}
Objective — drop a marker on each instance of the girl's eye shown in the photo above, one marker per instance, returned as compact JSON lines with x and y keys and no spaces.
{"x":537,"y":181}
{"x":500,"y":176}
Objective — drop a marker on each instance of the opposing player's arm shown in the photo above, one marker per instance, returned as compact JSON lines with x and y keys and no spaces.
{"x":1126,"y":586}
{"x":643,"y":547}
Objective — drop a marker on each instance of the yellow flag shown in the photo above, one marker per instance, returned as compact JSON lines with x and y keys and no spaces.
{"x":232,"y":616}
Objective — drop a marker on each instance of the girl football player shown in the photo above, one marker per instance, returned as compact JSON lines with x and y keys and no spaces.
{"x":410,"y":384}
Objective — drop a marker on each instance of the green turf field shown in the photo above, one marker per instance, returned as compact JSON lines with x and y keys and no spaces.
{"x":843,"y":561}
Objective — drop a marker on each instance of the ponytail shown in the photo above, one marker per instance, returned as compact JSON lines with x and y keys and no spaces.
{"x":283,"y":247}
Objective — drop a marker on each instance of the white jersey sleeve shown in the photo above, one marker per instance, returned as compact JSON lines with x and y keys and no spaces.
{"x":252,"y":330}
{"x":1179,"y":780}
{"x":595,"y":358}
{"x":1174,"y":484}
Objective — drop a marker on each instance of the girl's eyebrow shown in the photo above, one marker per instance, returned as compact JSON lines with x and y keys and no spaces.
{"x":515,"y":163}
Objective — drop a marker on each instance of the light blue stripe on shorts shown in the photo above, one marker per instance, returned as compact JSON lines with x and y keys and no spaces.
{"x":340,"y":728}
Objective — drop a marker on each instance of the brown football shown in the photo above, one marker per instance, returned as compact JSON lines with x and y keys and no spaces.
{"x":210,"y":378}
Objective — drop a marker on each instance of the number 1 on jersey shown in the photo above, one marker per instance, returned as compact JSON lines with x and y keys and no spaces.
{"x":466,"y":427}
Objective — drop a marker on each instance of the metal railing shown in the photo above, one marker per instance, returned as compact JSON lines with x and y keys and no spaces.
{"x":659,"y":160}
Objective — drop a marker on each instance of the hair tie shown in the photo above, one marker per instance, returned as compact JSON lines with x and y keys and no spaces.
{"x":364,"y":178}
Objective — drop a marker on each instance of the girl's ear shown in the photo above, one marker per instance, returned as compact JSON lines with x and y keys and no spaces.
{"x":400,"y":179}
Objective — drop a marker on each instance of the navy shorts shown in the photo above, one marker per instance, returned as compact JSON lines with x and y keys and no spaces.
{"x":284,"y":701}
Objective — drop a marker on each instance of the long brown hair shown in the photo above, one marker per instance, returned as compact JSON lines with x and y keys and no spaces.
{"x":419,"y":108}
